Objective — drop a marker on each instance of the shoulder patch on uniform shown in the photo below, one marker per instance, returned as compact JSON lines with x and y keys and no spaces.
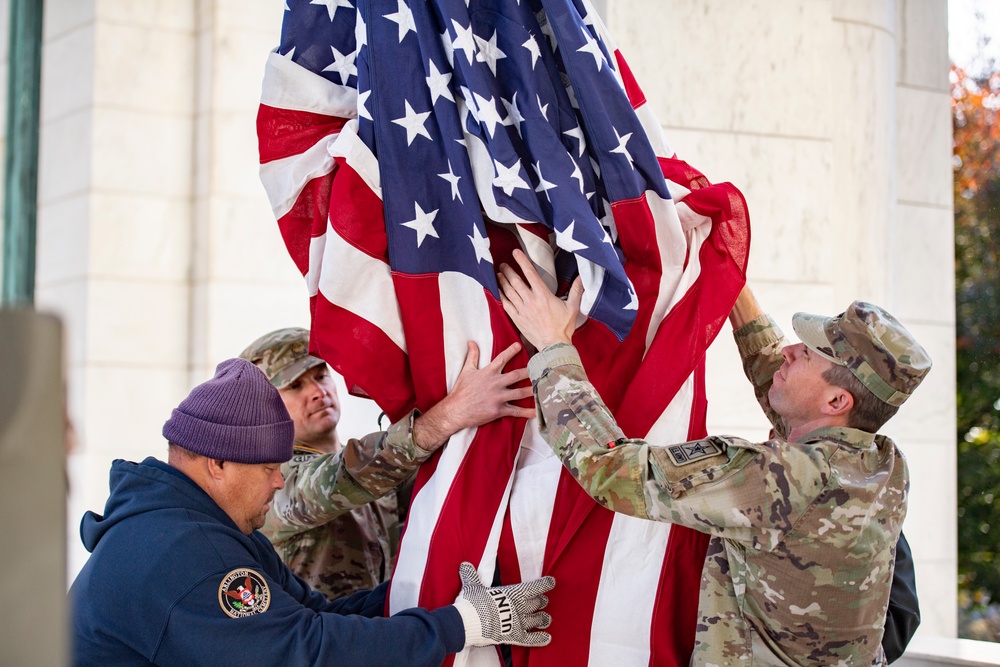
{"x":690,"y":452}
{"x":244,"y":593}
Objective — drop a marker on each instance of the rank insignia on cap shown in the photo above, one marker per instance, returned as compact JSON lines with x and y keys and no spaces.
{"x":244,"y":593}
{"x":689,"y":452}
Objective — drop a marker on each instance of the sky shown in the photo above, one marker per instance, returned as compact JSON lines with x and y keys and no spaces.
{"x":964,"y":31}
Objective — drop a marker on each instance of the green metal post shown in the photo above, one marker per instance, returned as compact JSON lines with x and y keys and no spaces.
{"x":20,"y":204}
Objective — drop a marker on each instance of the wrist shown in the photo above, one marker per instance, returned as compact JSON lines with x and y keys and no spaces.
{"x":431,"y":429}
{"x":745,"y":309}
{"x":552,"y":339}
{"x":471,"y":622}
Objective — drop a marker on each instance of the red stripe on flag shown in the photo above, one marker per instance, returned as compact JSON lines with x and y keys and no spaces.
{"x":364,"y":355}
{"x":635,"y":95}
{"x":419,"y":299}
{"x":356,"y":213}
{"x":612,"y":373}
{"x":472,"y":503}
{"x":503,"y":242}
{"x":510,"y":572}
{"x":609,"y":363}
{"x":574,"y":554}
{"x":537,"y":229}
{"x":689,"y":328}
{"x":675,"y":615}
{"x":678,"y":347}
{"x":306,"y":219}
{"x":510,"y":568}
{"x":672,"y":627}
{"x":283,"y":133}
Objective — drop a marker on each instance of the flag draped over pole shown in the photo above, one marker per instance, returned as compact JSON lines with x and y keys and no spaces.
{"x":407,"y":147}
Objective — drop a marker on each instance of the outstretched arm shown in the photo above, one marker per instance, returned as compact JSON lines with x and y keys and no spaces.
{"x":659,"y":481}
{"x":745,"y":309}
{"x":479,"y":395}
{"x":323,"y":487}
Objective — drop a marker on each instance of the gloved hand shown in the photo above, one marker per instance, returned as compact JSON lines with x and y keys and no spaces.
{"x":503,"y":614}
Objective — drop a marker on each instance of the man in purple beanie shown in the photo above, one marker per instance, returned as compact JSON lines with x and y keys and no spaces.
{"x":179,"y":574}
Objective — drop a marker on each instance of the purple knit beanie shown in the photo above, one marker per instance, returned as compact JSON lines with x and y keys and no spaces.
{"x":236,"y":416}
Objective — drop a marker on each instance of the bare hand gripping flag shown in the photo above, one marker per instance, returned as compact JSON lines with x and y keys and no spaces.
{"x":407,"y":147}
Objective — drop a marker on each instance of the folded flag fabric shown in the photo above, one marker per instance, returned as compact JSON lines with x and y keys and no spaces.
{"x":407,"y":148}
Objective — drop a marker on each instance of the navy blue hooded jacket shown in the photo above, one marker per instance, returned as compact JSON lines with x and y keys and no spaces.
{"x":153,"y":592}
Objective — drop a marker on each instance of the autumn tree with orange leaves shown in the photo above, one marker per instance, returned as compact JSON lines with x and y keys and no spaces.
{"x":976,"y":116}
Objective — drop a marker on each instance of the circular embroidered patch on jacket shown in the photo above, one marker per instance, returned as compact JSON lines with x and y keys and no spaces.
{"x":244,"y":593}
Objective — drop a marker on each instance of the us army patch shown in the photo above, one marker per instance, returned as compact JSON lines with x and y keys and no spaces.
{"x":689,"y":452}
{"x":244,"y":593}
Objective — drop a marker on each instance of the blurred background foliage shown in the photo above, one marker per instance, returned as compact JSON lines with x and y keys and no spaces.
{"x":976,"y":118}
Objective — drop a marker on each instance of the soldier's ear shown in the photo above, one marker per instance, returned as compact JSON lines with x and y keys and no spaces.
{"x":839,"y":402}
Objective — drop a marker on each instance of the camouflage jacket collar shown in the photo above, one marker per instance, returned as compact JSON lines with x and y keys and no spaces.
{"x":298,"y":449}
{"x":850,"y":437}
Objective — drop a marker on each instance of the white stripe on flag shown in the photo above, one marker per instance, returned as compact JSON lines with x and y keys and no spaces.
{"x":317,"y":248}
{"x":486,"y":656}
{"x":532,"y":500}
{"x":592,"y":275}
{"x":481,"y":656}
{"x":626,"y":596}
{"x":633,"y":560}
{"x":540,"y":253}
{"x":694,"y":238}
{"x":466,"y":317}
{"x":349,"y":146}
{"x":677,"y":191}
{"x":657,"y":138}
{"x":691,"y":220}
{"x":671,"y":245}
{"x":293,"y":87}
{"x":673,"y":424}
{"x":369,"y":293}
{"x":284,"y":179}
{"x":420,"y":521}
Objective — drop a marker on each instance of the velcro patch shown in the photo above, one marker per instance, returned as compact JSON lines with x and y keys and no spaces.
{"x":691,"y":452}
{"x":244,"y":593}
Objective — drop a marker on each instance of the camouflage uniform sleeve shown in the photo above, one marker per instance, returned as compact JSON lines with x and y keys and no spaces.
{"x":724,"y":486}
{"x":321,"y":488}
{"x":759,"y":342}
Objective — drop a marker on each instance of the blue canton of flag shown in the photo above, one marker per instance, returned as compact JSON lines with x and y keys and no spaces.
{"x":508,"y":112}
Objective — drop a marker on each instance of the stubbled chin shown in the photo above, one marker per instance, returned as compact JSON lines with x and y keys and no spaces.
{"x":258,"y":521}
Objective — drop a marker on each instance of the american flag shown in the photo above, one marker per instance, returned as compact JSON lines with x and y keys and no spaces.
{"x":407,"y":147}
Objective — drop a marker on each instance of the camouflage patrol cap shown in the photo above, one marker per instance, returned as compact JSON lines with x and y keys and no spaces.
{"x":881,"y":353}
{"x":283,"y":355}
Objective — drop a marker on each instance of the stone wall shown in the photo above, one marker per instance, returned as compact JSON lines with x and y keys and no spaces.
{"x":157,"y":247}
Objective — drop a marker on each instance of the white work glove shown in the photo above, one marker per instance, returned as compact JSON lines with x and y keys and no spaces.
{"x":503,"y":614}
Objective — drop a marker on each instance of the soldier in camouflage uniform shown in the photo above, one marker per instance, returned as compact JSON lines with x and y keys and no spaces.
{"x":804,"y":525}
{"x":336,"y":522}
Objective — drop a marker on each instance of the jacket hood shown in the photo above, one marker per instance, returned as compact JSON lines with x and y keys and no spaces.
{"x":150,"y":486}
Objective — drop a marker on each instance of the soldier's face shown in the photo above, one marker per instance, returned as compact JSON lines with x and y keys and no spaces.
{"x":247,"y":491}
{"x":799,"y":390}
{"x":312,"y":402}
